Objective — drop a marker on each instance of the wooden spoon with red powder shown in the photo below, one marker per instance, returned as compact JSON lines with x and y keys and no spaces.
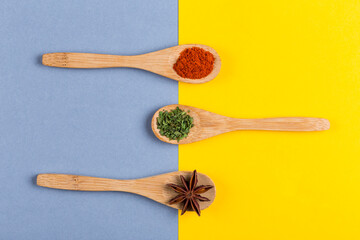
{"x":191,"y":63}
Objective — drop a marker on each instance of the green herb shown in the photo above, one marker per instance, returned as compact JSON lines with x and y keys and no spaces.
{"x":175,"y":124}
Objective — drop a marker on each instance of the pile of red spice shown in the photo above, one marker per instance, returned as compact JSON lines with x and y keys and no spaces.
{"x":194,"y":63}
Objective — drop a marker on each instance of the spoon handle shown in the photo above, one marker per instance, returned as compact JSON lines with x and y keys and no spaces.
{"x":83,"y":183}
{"x":88,"y":60}
{"x":281,"y":124}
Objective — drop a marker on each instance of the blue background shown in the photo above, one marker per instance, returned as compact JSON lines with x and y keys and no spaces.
{"x":93,"y":122}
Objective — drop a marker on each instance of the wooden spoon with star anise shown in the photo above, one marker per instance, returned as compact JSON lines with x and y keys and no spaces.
{"x":196,"y":190}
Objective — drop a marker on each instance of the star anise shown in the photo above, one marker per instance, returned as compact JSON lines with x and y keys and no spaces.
{"x":189,"y":193}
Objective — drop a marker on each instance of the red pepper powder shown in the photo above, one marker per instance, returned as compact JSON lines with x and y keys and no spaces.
{"x":194,"y":63}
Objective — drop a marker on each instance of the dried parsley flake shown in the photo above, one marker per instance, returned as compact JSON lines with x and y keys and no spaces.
{"x":174,"y":124}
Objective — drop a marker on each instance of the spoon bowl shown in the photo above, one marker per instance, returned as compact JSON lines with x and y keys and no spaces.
{"x":160,"y":62}
{"x":208,"y":124}
{"x":154,"y":187}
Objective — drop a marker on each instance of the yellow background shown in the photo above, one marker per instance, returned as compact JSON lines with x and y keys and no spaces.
{"x":279,"y":58}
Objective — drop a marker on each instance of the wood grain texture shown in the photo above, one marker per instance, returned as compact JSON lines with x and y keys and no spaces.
{"x":154,"y":187}
{"x":208,"y":124}
{"x":159,"y":62}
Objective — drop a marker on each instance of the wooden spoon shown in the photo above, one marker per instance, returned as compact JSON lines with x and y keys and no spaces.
{"x":208,"y":124}
{"x":160,"y":62}
{"x":154,"y":187}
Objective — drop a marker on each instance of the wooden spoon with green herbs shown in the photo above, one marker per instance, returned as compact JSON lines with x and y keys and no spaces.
{"x":206,"y":124}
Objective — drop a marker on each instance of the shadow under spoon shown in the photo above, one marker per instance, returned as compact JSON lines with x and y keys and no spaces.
{"x":160,"y":62}
{"x":208,"y":124}
{"x":154,"y":187}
